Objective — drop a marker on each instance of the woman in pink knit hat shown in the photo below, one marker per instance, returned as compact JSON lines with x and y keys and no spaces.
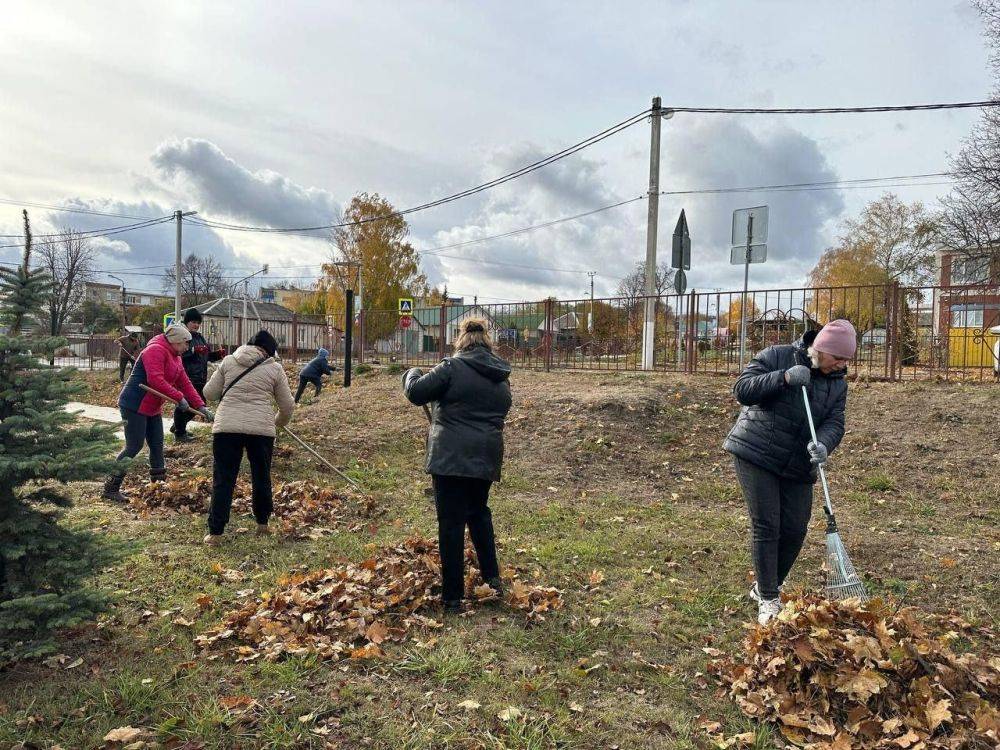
{"x":772,"y":449}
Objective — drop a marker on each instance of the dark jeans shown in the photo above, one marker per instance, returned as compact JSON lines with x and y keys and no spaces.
{"x":303,"y":382}
{"x":182,"y":417}
{"x":227,"y":453}
{"x":461,"y":502}
{"x":141,"y":429}
{"x":779,"y":517}
{"x":123,"y":362}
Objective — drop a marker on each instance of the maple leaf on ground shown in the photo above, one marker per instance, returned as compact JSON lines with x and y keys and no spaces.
{"x":125,"y":734}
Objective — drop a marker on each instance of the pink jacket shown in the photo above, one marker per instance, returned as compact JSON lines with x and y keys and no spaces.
{"x":162,"y":369}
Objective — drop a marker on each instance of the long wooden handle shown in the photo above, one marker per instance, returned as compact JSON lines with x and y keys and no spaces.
{"x":165,"y":397}
{"x":309,"y":448}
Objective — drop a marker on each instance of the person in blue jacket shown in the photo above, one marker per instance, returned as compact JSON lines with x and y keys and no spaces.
{"x":313,"y":373}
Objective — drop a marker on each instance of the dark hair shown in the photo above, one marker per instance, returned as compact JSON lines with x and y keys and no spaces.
{"x":265,"y":341}
{"x":191,"y":315}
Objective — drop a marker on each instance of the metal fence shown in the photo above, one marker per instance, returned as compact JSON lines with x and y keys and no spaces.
{"x":903,"y":332}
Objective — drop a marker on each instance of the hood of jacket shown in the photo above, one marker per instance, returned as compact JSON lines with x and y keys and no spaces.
{"x":802,"y":355}
{"x":248,"y":355}
{"x":486,"y":363}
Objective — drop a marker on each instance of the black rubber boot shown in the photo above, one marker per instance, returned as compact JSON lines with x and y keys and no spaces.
{"x":113,"y":489}
{"x":182,"y":437}
{"x":157,"y":475}
{"x":496,"y":584}
{"x":452,"y":606}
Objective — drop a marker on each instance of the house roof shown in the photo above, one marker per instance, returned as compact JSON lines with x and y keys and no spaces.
{"x":226,"y":306}
{"x":431,"y":316}
{"x":520,"y":320}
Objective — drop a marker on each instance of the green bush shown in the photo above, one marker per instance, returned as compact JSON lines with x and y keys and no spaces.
{"x":362,"y":369}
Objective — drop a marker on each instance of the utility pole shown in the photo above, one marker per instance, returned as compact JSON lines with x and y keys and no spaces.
{"x":649,"y":327}
{"x":590,"y":323}
{"x":348,"y":335}
{"x":178,"y":218}
{"x":120,"y":281}
{"x":361,"y":310}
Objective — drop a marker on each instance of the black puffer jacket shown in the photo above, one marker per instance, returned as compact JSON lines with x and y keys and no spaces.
{"x":772,"y":431}
{"x":471,"y":396}
{"x":196,"y":359}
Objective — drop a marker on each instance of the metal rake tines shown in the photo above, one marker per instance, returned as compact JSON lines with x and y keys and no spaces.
{"x":842,"y":580}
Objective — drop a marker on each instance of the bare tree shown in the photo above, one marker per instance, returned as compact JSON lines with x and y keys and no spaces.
{"x":69,"y":259}
{"x":970,"y":221}
{"x":201,"y":280}
{"x":633,"y":285}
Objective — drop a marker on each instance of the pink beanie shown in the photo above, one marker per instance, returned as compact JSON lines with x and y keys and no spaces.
{"x":837,"y":338}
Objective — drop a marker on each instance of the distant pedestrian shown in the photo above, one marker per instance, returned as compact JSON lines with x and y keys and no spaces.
{"x":313,"y":373}
{"x":470,"y":393}
{"x":159,"y":367}
{"x":129,"y":348}
{"x":196,"y":360}
{"x":772,"y":449}
{"x":247,"y":385}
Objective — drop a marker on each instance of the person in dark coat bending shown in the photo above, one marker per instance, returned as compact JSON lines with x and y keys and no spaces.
{"x":195,"y":360}
{"x":772,"y":449}
{"x":470,"y":393}
{"x":313,"y":373}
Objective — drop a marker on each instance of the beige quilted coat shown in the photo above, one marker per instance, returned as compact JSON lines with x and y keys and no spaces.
{"x":249,"y":405}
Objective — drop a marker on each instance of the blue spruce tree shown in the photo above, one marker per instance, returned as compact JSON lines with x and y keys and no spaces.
{"x":44,"y":565}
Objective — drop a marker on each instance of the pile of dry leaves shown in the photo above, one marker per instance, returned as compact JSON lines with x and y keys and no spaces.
{"x":306,"y":510}
{"x":841,"y":675}
{"x":352,"y":609}
{"x":301,"y":509}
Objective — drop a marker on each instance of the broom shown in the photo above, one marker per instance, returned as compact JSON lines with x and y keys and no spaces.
{"x":842,"y":581}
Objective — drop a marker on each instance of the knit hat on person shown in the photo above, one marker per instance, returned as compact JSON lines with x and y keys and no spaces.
{"x":321,"y":352}
{"x":838,"y":339}
{"x":265,"y":341}
{"x":177,"y":334}
{"x":191,"y":315}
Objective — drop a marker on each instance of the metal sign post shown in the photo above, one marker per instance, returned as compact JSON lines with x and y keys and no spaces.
{"x":748,"y":224}
{"x":680,"y":258}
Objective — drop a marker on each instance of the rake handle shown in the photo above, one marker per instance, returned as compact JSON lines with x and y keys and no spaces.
{"x":827,"y":506}
{"x":309,"y":448}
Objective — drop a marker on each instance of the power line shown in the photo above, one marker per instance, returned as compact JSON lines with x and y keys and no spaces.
{"x":29,"y":204}
{"x":527,"y":169}
{"x":878,"y":182}
{"x":101,"y":232}
{"x":833,"y":110}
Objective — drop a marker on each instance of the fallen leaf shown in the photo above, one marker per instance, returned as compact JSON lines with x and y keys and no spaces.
{"x":124,"y":734}
{"x":469,"y":705}
{"x":509,"y":714}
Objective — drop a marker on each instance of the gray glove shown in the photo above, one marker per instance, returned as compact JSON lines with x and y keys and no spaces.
{"x":183,"y":404}
{"x":798,"y":376}
{"x":207,"y":414}
{"x":817,"y":453}
{"x":410,"y":375}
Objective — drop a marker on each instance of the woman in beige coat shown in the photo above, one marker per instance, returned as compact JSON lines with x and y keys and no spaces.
{"x":247,"y":385}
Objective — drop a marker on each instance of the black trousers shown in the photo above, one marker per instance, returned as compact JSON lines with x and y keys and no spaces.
{"x":182,"y":417}
{"x":227,"y":453}
{"x":123,"y":362}
{"x":461,"y":502}
{"x":303,"y":382}
{"x":779,"y":518}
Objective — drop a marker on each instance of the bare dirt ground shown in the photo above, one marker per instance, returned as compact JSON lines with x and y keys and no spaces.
{"x":616,"y":491}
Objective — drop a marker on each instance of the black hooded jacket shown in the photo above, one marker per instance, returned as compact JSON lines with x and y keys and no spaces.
{"x":772,"y":431}
{"x":471,"y":397}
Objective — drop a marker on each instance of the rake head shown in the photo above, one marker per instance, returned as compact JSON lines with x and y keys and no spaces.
{"x":842,"y":581}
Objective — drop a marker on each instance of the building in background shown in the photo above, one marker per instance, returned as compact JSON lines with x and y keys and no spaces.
{"x":966,"y":306}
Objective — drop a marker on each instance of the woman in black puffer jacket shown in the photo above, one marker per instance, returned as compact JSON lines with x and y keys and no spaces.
{"x":470,"y":394}
{"x":772,"y":450}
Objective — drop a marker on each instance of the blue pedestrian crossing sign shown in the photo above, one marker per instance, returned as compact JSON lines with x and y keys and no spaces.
{"x":406,"y":306}
{"x":168,"y":319}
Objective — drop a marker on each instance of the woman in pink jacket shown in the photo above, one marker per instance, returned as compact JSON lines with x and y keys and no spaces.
{"x":159,"y":366}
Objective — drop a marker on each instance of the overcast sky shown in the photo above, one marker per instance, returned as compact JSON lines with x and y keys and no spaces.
{"x":277,"y":113}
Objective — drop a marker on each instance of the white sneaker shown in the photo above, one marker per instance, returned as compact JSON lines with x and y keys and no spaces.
{"x":755,"y":592}
{"x":766,"y":609}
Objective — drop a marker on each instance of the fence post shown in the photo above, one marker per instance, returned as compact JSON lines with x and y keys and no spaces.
{"x":239,"y":331}
{"x":295,"y":337}
{"x":692,"y":343}
{"x":361,"y":334}
{"x":442,"y":328}
{"x":90,"y":349}
{"x":897,"y":331}
{"x":548,"y":334}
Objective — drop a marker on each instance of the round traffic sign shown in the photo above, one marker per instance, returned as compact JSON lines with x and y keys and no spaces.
{"x":404,"y":322}
{"x":680,"y":281}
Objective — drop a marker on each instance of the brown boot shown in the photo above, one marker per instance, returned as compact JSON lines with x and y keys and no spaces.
{"x":113,"y":489}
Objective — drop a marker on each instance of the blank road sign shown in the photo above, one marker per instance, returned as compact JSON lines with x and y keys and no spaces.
{"x":758,"y":254}
{"x":741,"y":217}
